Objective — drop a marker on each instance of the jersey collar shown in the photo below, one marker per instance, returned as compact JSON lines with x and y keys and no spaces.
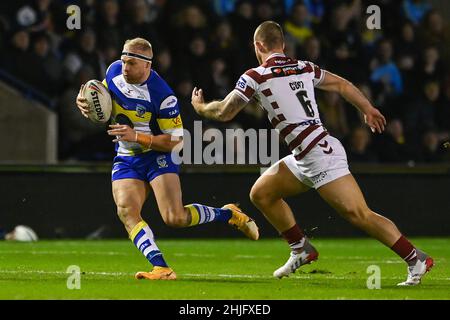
{"x":273,"y":55}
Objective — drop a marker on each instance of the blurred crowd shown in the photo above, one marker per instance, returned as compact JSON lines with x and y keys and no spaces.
{"x":402,"y":67}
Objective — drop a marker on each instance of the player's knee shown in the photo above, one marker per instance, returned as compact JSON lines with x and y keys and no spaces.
{"x":261,"y":197}
{"x":357,"y":214}
{"x":126,"y":212}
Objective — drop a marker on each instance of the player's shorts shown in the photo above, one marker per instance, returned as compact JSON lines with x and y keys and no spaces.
{"x":327,"y":161}
{"x":145,"y":166}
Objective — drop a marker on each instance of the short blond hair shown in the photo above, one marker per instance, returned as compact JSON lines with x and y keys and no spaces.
{"x":139,"y":44}
{"x":271,"y":34}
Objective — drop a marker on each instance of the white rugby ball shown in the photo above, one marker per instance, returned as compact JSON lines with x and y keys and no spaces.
{"x":99,"y":101}
{"x":24,"y":233}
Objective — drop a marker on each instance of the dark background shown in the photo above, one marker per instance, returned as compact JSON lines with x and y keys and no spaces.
{"x":74,"y":205}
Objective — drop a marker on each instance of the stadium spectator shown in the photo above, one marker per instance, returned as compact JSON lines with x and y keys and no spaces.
{"x":415,"y":10}
{"x":393,"y":146}
{"x":19,"y":58}
{"x":85,"y":53}
{"x":109,"y":30}
{"x":224,"y":45}
{"x":430,"y":66}
{"x":385,"y":74}
{"x":407,"y":54}
{"x":198,"y":44}
{"x":46,"y":65}
{"x":188,"y":23}
{"x":243,"y":21}
{"x":298,"y":25}
{"x":312,"y":51}
{"x":432,"y":150}
{"x":436,"y":32}
{"x":332,"y":109}
{"x":443,"y":110}
{"x":83,"y":140}
{"x":420,"y":114}
{"x":164,"y":65}
{"x":137,"y":23}
{"x":264,"y":11}
{"x":358,"y":146}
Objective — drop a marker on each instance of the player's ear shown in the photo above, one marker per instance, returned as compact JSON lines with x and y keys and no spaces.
{"x":259,"y":45}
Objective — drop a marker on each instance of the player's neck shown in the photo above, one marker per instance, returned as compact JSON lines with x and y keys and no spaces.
{"x":265,"y":56}
{"x":144,"y":77}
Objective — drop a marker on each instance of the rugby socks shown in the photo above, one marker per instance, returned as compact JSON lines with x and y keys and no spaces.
{"x":405,"y":250}
{"x":203,"y":214}
{"x":143,"y":239}
{"x":295,"y":237}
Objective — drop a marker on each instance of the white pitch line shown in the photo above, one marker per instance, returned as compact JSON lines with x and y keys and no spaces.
{"x":108,"y":253}
{"x":199,"y":275}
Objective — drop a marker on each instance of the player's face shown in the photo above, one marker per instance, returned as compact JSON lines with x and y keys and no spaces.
{"x":135,"y":71}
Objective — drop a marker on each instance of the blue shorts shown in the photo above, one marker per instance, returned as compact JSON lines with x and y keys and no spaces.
{"x":145,"y":166}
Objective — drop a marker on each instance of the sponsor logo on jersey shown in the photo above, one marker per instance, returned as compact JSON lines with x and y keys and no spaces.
{"x":161,"y":161}
{"x":176,"y":121}
{"x":309,"y":122}
{"x":285,"y":71}
{"x":241,"y":83}
{"x":140,"y":111}
{"x":171,"y":102}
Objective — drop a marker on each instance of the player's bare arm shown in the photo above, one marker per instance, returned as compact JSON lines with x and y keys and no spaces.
{"x":374,"y":119}
{"x":163,"y":142}
{"x":224,"y":110}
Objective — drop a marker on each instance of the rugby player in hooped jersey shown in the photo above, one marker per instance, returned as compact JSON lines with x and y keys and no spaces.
{"x":284,"y":88}
{"x":147,"y":126}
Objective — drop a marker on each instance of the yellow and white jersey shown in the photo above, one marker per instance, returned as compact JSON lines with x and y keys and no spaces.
{"x":150,"y":107}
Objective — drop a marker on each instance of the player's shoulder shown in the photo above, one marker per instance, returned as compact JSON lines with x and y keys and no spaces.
{"x":160,"y":90}
{"x":114,"y":69}
{"x":158,"y":84}
{"x":255,"y":74}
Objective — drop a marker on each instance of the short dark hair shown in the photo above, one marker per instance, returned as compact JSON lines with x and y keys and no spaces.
{"x":270,"y":34}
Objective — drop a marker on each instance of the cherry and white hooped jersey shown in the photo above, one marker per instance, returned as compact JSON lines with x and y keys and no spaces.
{"x":284,"y":87}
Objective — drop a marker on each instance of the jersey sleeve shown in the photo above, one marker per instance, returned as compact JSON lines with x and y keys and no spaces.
{"x":246,"y":87}
{"x":169,"y":119}
{"x":319,"y":74}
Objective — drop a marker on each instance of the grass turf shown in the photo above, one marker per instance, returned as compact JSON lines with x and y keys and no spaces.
{"x":215,"y":269}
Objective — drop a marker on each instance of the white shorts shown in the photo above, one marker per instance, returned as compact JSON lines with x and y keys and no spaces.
{"x":327,"y":161}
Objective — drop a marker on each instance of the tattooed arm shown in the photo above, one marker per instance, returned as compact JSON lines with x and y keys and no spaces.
{"x":224,"y":110}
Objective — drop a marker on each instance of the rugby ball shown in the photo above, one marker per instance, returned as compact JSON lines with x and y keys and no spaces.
{"x":98,"y":100}
{"x":23,"y":233}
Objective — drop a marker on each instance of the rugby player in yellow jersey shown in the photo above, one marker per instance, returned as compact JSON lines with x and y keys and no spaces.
{"x":147,"y":124}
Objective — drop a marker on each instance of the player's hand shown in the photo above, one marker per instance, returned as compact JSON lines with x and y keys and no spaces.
{"x":375,"y":120}
{"x":197,"y":98}
{"x":82,"y":103}
{"x":122,"y":132}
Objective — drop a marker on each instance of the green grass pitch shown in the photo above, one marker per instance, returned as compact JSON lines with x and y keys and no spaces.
{"x":216,"y":269}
